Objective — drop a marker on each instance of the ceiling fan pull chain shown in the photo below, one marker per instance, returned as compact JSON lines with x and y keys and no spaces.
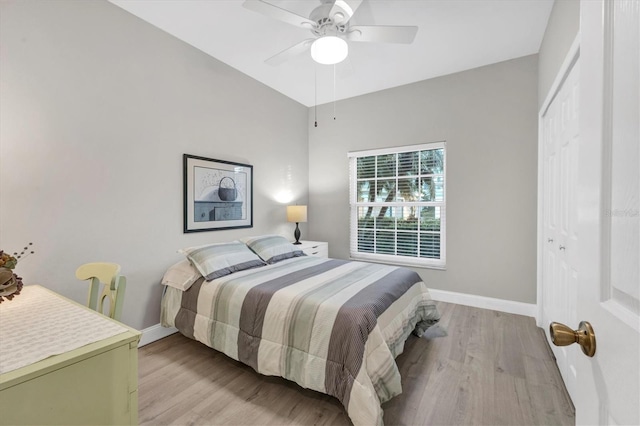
{"x":334,"y":92}
{"x":315,"y":89}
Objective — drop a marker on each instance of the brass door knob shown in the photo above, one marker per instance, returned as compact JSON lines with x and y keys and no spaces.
{"x":561,"y":335}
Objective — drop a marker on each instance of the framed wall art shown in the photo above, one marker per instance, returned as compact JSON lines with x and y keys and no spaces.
{"x":217,"y":194}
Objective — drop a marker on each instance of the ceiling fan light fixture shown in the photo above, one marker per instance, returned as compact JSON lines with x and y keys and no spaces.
{"x":329,"y":50}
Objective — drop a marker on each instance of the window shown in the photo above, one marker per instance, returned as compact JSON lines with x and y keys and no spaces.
{"x":397,"y":198}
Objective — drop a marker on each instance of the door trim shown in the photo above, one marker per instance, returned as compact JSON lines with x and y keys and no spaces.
{"x":563,"y":72}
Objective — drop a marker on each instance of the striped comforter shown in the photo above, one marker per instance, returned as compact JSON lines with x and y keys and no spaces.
{"x":330,"y":325}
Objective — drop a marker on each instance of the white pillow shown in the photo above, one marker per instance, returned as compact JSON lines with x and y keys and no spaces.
{"x":181,"y":275}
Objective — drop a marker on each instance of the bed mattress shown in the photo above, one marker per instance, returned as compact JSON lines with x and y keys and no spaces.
{"x":330,"y":325}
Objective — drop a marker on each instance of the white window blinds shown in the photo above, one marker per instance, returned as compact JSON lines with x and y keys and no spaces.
{"x":397,"y":199}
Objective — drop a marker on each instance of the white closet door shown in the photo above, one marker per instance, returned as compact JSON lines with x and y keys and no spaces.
{"x":561,"y":139}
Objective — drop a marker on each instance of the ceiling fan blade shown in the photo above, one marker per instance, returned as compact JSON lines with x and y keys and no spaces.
{"x":382,"y":34}
{"x":290,"y":52}
{"x":279,"y":13}
{"x":345,"y":9}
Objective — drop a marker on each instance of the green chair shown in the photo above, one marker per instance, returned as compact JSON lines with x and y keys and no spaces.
{"x":114,"y":286}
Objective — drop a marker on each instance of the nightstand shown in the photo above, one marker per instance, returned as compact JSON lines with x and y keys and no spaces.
{"x":315,"y":248}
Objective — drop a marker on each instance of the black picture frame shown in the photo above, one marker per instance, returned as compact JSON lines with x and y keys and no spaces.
{"x":218,"y":194}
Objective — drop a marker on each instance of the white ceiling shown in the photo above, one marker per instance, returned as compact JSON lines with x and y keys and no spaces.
{"x":453,"y":35}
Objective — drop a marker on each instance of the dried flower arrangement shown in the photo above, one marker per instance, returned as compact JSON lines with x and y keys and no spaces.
{"x":10,"y":283}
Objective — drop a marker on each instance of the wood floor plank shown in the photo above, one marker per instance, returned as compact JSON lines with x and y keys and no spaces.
{"x":491,"y":369}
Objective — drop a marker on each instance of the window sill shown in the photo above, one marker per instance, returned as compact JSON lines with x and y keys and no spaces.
{"x":397,"y":262}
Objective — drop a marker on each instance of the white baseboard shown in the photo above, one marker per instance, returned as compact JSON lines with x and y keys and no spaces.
{"x":509,"y":306}
{"x":155,"y":332}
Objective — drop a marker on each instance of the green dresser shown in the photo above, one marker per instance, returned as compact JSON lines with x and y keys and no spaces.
{"x":96,"y":383}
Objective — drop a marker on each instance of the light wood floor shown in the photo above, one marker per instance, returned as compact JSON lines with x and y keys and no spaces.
{"x":492,"y":369}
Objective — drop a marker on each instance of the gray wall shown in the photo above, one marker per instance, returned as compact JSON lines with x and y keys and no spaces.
{"x":562,"y":29}
{"x":97,"y":108}
{"x":488,"y":116}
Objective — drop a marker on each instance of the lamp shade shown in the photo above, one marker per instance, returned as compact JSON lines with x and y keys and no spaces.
{"x":329,"y":50}
{"x":296,"y":214}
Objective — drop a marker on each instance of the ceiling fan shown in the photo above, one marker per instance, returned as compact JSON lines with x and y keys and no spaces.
{"x":331,"y":28}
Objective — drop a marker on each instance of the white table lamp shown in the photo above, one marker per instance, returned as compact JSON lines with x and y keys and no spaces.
{"x":297,"y":214}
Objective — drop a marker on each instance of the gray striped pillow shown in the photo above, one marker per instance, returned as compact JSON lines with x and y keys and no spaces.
{"x":217,"y":260}
{"x":273,"y":248}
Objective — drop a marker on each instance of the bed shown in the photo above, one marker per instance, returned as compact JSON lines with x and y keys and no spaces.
{"x":330,"y":325}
